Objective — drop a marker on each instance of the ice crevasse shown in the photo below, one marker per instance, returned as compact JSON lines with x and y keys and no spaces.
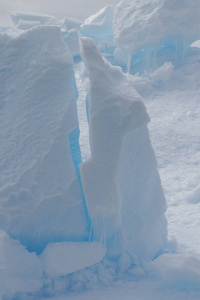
{"x":51,"y":204}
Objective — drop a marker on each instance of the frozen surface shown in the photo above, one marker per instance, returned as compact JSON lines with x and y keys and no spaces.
{"x":60,"y":259}
{"x":40,"y":196}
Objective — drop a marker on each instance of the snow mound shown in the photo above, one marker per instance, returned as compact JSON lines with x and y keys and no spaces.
{"x":60,"y":259}
{"x":41,"y":199}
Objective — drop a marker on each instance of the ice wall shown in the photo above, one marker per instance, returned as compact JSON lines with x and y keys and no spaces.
{"x":120,"y":181}
{"x":139,"y":24}
{"x":151,"y":32}
{"x":41,"y":199}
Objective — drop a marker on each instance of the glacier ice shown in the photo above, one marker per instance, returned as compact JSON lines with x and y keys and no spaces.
{"x":41,"y":199}
{"x":120,"y":181}
{"x":148,"y":33}
{"x":20,"y":270}
{"x":145,"y":23}
{"x":73,"y":214}
{"x":99,"y":25}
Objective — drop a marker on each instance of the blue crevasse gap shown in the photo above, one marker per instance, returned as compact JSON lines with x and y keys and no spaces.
{"x":75,"y":150}
{"x":77,"y":160}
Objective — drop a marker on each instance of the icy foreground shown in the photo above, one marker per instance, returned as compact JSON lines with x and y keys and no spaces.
{"x":68,"y":225}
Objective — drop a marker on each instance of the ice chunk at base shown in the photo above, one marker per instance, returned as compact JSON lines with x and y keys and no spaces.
{"x":20,"y":271}
{"x":41,"y":199}
{"x":120,"y":180}
{"x":60,"y":259}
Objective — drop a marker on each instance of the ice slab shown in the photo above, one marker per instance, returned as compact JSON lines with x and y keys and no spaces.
{"x":20,"y":271}
{"x":145,"y":23}
{"x":120,"y":181}
{"x":60,"y":259}
{"x":99,"y":25}
{"x":41,"y":199}
{"x":19,"y":16}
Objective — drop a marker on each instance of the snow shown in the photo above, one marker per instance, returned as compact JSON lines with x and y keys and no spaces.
{"x":97,"y":229}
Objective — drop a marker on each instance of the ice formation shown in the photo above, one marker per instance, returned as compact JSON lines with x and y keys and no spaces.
{"x":140,"y":24}
{"x":58,"y":216}
{"x":120,"y":181}
{"x":41,"y":200}
{"x":20,"y":270}
{"x":99,"y":25}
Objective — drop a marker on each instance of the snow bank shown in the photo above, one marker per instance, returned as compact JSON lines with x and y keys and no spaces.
{"x":120,"y":181}
{"x":145,"y":23}
{"x":20,"y":271}
{"x":41,"y":199}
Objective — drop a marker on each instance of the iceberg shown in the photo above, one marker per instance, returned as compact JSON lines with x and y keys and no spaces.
{"x":120,"y":180}
{"x":99,"y":27}
{"x":60,"y":216}
{"x":138,"y":24}
{"x":41,"y":199}
{"x":20,"y":270}
{"x":151,"y":32}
